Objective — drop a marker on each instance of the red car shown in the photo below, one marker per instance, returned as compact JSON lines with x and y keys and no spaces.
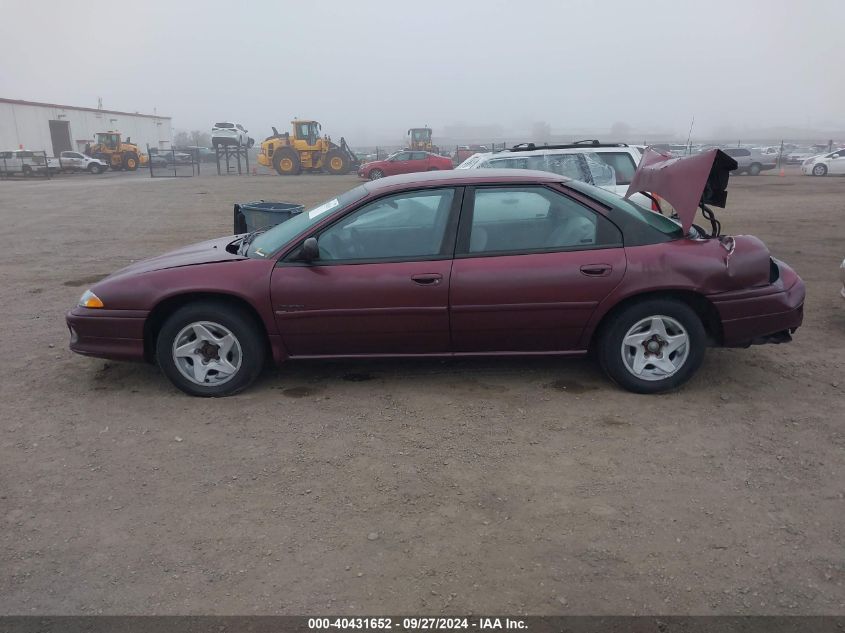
{"x":404,"y":162}
{"x":458,"y":263}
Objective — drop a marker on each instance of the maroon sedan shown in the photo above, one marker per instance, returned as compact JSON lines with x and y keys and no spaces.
{"x":405,"y":162}
{"x":460,"y":263}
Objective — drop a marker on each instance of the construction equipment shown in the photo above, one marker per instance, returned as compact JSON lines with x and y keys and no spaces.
{"x":419,"y":138}
{"x":115,"y":153}
{"x":305,"y":149}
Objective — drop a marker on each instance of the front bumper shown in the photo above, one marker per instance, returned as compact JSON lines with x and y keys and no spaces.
{"x":762,"y":314}
{"x":112,"y":334}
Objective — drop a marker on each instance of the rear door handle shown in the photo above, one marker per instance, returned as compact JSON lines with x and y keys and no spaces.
{"x":596,"y":270}
{"x":427,"y":279}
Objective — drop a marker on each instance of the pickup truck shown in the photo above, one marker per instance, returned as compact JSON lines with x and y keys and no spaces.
{"x":77,"y":161}
{"x":21,"y":161}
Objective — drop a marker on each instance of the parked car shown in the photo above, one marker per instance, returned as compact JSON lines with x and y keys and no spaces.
{"x":226,"y":133}
{"x":607,"y":165}
{"x":798,"y":156}
{"x":750,"y":161}
{"x":824,"y":164}
{"x":77,"y":161}
{"x":462,"y":152}
{"x":451,"y":263}
{"x":404,"y":162}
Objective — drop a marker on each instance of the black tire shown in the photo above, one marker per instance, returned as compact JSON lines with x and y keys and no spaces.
{"x":336,"y":162}
{"x":27,"y":171}
{"x":286,"y":161}
{"x":375,"y":174}
{"x":819,"y":170}
{"x":754,"y":169}
{"x":94,"y":168}
{"x":247,"y":332}
{"x":130,"y":161}
{"x":610,"y":346}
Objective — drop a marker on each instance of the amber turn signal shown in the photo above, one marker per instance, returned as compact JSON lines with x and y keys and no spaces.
{"x":90,"y":300}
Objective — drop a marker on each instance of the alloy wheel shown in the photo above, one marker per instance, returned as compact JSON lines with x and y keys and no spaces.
{"x":207,"y":353}
{"x":655,"y":348}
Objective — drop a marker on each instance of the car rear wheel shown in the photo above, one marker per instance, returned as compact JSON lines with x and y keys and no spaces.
{"x":652,"y":346}
{"x":375,"y":174}
{"x":210,"y":349}
{"x":820,"y":170}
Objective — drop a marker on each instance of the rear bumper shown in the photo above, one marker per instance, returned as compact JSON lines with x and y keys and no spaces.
{"x":112,"y":334}
{"x":764,"y":315}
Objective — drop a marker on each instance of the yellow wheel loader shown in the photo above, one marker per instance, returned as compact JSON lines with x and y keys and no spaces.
{"x":304,"y":148}
{"x":117,"y":154}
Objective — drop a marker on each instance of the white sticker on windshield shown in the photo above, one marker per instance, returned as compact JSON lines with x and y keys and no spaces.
{"x":331,"y":204}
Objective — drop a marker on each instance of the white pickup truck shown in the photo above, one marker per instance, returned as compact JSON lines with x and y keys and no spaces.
{"x":21,"y":161}
{"x":77,"y":161}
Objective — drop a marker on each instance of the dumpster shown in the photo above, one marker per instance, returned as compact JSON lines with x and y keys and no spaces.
{"x":252,"y":216}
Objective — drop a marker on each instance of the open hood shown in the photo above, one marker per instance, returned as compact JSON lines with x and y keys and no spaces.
{"x":684,"y":181}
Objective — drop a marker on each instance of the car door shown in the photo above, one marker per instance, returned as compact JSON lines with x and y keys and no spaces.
{"x":531,"y":265}
{"x":380,"y":285}
{"x":418,"y":162}
{"x":72,"y":160}
{"x":398,"y":164}
{"x":837,"y":163}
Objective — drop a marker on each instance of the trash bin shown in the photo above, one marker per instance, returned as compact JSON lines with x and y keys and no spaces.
{"x":251,"y":216}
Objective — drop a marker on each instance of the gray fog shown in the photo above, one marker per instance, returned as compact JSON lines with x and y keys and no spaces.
{"x":368,"y":70}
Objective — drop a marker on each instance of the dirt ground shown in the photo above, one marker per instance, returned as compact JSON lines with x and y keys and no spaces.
{"x":428,"y":487}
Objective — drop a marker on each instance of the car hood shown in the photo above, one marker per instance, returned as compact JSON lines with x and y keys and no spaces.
{"x":684,"y":181}
{"x":201,"y":253}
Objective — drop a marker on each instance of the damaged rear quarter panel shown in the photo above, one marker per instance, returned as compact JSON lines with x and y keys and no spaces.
{"x":701,"y":266}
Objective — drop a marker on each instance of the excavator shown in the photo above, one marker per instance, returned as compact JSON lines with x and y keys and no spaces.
{"x":304,"y":148}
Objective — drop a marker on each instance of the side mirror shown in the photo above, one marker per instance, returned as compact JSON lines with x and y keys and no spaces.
{"x":309,"y":251}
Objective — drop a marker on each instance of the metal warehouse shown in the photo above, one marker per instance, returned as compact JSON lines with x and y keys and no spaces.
{"x":55,"y":128}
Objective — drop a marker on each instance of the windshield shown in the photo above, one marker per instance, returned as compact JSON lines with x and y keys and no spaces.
{"x":267,"y":243}
{"x":655,"y":220}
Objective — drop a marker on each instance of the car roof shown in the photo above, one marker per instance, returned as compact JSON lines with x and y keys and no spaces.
{"x":540,"y":151}
{"x":462,"y":177}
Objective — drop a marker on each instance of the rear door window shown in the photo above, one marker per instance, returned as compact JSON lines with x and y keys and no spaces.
{"x":513,"y":220}
{"x":622,"y":163}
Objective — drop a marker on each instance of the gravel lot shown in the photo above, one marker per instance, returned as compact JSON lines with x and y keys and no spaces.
{"x":494,"y":486}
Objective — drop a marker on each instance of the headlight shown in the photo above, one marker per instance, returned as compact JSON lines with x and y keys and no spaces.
{"x":90,"y":300}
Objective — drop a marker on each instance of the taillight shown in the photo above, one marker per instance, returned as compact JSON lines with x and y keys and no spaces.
{"x":655,"y":203}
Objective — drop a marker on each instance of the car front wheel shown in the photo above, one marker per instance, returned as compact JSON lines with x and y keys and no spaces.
{"x":210,"y":349}
{"x":652,"y":346}
{"x":819,"y":170}
{"x":375,"y":174}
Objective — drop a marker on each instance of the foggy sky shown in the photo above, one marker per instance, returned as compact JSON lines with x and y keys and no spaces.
{"x":369,"y":70}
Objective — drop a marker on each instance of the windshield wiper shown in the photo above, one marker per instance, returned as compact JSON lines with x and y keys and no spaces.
{"x":247,"y":240}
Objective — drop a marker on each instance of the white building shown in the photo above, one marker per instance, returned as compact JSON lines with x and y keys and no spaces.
{"x":55,"y":128}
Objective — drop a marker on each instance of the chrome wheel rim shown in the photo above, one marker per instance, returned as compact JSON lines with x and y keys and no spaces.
{"x":207,"y":353}
{"x":818,"y":170}
{"x":655,"y":348}
{"x":375,"y":174}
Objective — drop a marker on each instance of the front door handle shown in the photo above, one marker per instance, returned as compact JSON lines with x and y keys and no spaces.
{"x":427,"y":279}
{"x":596,"y":270}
